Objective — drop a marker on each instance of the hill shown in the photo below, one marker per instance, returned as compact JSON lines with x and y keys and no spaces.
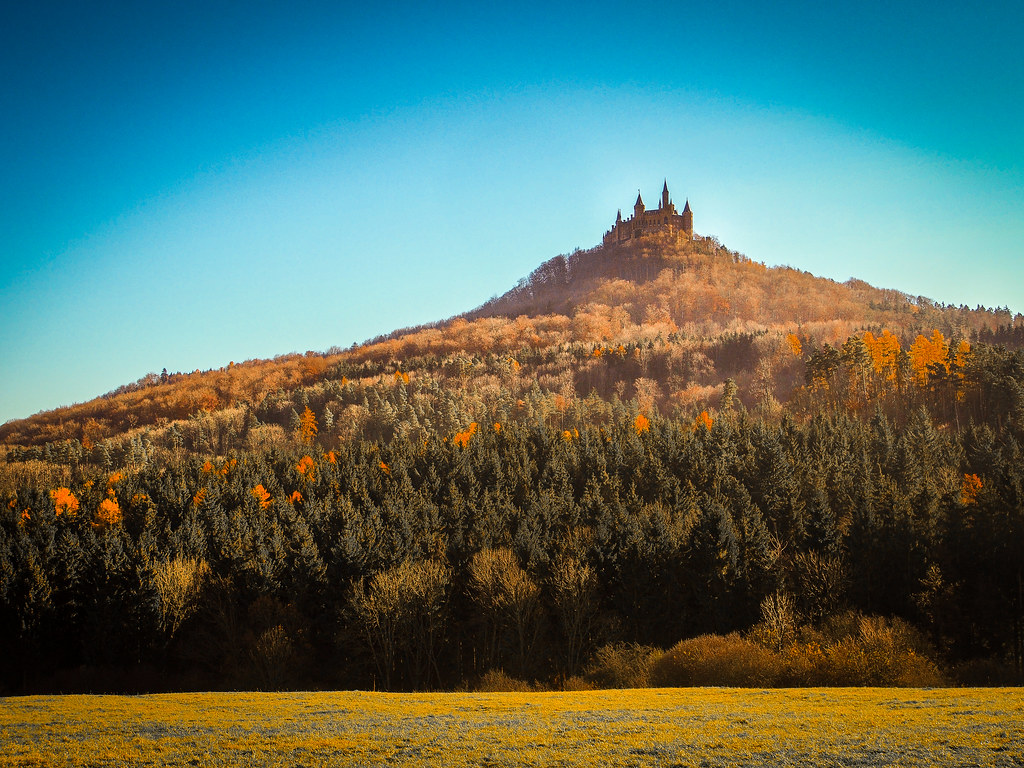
{"x":688,"y":314}
{"x":648,"y":459}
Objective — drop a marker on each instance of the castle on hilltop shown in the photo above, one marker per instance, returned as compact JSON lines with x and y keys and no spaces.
{"x":643,"y":222}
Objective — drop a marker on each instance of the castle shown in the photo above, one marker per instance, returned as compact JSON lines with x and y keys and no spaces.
{"x":643,"y":222}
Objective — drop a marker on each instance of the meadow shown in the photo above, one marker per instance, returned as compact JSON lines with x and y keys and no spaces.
{"x":650,"y":727}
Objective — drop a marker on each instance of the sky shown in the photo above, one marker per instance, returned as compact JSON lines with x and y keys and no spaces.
{"x":187,"y":184}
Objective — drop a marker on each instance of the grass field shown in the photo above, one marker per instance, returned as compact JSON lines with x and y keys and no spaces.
{"x":651,"y":727}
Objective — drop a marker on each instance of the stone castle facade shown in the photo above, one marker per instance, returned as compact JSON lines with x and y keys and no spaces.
{"x":643,"y":222}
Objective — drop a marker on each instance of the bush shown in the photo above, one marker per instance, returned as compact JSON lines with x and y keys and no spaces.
{"x":621,"y":665}
{"x":727,"y":660}
{"x":574,"y":683}
{"x":881,"y":651}
{"x":497,"y":681}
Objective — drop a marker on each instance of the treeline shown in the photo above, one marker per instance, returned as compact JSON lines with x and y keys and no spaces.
{"x":423,"y":561}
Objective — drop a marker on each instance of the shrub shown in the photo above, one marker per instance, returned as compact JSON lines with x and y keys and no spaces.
{"x":497,"y":681}
{"x":575,"y":683}
{"x":727,"y":660}
{"x":621,"y":665}
{"x":872,"y":650}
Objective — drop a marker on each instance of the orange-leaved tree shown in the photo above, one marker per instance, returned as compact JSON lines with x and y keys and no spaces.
{"x":462,"y":438}
{"x":641,"y":424}
{"x":926,"y":353}
{"x":262,"y":496}
{"x":307,"y":426}
{"x":885,"y":355}
{"x":794,"y":344}
{"x":64,"y":501}
{"x":109,"y":512}
{"x":305,"y":467}
{"x":703,"y":420}
{"x":970,"y":487}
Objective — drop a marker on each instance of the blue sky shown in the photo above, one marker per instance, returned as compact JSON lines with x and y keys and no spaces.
{"x":186,"y":184}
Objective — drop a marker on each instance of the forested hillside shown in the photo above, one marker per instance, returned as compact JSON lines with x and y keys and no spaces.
{"x":634,"y":448}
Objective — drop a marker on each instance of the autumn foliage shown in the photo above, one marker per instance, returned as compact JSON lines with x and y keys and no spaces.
{"x":64,"y":501}
{"x":462,"y":438}
{"x":678,"y":443}
{"x":307,"y":426}
{"x":109,"y":512}
{"x":262,"y":496}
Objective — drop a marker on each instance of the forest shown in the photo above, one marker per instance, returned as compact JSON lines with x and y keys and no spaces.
{"x":627,"y":489}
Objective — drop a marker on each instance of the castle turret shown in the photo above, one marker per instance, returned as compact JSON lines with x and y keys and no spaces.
{"x":638,"y":206}
{"x":665,"y":202}
{"x":688,"y":219}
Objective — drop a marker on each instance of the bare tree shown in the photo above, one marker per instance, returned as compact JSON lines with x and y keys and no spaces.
{"x":178,"y":581}
{"x":401,"y":613}
{"x":510,"y":602}
{"x":574,"y":593}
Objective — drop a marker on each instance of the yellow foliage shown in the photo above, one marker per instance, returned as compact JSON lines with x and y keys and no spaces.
{"x":64,"y":501}
{"x":703,"y":420}
{"x":331,"y":457}
{"x":200,"y":497}
{"x":385,"y":468}
{"x":641,"y":424}
{"x":109,"y":512}
{"x":970,"y":487}
{"x":262,"y":496}
{"x":306,"y":466}
{"x":926,"y":352}
{"x":885,"y":353}
{"x":960,"y":360}
{"x":462,"y":438}
{"x":295,"y":498}
{"x":307,"y":425}
{"x":794,"y":344}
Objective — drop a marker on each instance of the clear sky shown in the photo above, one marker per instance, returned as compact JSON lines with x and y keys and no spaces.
{"x":185,"y":184}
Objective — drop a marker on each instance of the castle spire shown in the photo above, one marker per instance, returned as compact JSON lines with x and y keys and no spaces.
{"x":688,"y":220}
{"x":664,"y":195}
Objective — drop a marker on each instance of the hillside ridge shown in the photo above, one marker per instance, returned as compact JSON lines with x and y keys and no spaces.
{"x":666,"y":285}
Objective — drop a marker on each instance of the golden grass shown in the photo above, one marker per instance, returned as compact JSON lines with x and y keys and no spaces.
{"x":652,"y":727}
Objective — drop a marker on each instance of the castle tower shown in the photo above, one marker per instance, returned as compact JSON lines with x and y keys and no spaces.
{"x":688,"y":219}
{"x":638,"y":206}
{"x":664,"y":196}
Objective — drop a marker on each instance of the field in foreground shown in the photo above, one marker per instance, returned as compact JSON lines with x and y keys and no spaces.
{"x":664,"y":727}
